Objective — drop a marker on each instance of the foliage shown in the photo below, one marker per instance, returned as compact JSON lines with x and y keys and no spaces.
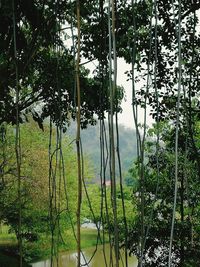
{"x":35,"y":199}
{"x":147,"y":37}
{"x":159,"y":197}
{"x":101,"y":212}
{"x":32,"y":185}
{"x":45,"y":67}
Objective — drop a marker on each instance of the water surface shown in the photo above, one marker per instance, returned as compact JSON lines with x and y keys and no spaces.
{"x":68,"y":259}
{"x":7,"y":260}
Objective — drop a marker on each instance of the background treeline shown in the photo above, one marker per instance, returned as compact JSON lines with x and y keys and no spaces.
{"x":91,"y":144}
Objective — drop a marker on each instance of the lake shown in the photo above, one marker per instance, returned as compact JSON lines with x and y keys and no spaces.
{"x":68,"y":259}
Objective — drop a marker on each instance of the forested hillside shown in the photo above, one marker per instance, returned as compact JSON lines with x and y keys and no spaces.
{"x":90,"y":138}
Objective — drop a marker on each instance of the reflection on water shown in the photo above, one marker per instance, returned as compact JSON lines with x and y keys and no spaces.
{"x":10,"y":261}
{"x":100,"y":259}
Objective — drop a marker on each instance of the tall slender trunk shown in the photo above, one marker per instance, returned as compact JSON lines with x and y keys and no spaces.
{"x":79,"y":198}
{"x":182,"y":253}
{"x":17,"y":139}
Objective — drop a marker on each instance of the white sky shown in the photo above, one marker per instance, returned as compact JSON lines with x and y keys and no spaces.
{"x":126,"y":117}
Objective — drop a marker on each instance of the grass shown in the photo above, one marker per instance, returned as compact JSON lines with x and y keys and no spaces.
{"x":7,"y":239}
{"x":34,"y":251}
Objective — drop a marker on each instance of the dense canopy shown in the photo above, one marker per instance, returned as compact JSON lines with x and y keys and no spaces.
{"x":45,"y":65}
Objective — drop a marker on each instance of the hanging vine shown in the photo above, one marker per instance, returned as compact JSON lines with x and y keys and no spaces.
{"x":177,"y":133}
{"x":79,"y":200}
{"x":113,"y":83}
{"x":17,"y":138}
{"x":141,"y":137}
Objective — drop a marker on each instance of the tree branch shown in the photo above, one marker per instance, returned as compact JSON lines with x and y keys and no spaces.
{"x":193,"y":8}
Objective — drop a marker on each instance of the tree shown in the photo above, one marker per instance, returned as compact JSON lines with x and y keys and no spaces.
{"x":159,"y":197}
{"x":45,"y":66}
{"x":153,"y":36}
{"x":100,"y":210}
{"x":35,"y":200}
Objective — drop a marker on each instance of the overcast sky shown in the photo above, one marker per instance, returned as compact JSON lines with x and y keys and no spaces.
{"x":126,"y":117}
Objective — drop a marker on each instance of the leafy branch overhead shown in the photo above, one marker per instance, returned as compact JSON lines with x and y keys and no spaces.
{"x":46,"y":71}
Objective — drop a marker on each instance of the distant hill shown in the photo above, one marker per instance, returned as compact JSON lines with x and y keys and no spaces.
{"x":91,"y":146}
